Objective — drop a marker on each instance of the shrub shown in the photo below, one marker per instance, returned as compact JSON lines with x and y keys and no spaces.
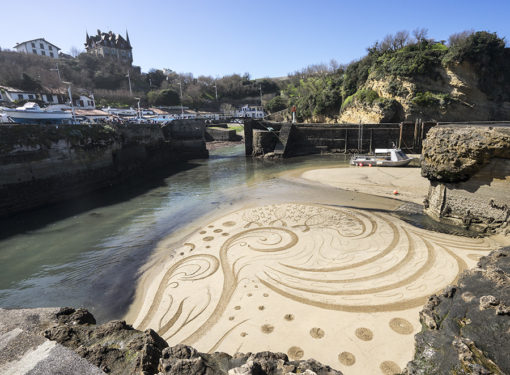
{"x":368,"y":97}
{"x":278,"y":103}
{"x":429,"y":99}
{"x":163,"y":97}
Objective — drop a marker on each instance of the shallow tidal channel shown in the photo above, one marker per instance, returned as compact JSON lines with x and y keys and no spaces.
{"x":89,"y":252}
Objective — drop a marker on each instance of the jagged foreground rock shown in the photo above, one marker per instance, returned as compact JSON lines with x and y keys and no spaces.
{"x":466,"y":329}
{"x":117,"y":348}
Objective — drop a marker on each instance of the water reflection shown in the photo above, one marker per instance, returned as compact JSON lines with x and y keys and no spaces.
{"x":87,"y":252}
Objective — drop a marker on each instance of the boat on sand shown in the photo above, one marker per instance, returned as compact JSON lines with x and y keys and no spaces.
{"x":382,"y":157}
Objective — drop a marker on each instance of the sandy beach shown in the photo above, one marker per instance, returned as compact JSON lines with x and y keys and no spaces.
{"x":408,"y":182}
{"x":341,"y":285}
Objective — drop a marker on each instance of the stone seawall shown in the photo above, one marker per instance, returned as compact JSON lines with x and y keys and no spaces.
{"x":306,"y":139}
{"x":469,"y":172}
{"x":44,"y":164}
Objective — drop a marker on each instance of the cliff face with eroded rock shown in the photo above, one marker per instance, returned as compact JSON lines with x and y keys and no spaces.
{"x":469,"y":173}
{"x":448,"y":94}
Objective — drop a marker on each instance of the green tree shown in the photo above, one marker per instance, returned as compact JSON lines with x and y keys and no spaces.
{"x":278,"y":103}
{"x":163,"y":97}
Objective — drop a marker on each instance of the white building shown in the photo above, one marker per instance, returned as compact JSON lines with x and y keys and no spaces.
{"x":39,"y":47}
{"x":251,"y":112}
{"x":85,"y":102}
{"x":10,"y":94}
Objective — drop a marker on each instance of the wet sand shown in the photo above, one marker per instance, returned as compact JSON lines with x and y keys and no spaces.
{"x":381,"y":181}
{"x":329,"y":280}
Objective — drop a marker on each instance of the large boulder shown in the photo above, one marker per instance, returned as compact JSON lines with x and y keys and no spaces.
{"x":455,"y":153}
{"x":469,"y":172}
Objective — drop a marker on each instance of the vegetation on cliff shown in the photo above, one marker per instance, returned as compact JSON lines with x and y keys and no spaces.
{"x":402,"y":77}
{"x":108,"y":80}
{"x":416,"y":73}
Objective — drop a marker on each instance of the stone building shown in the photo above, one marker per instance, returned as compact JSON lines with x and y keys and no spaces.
{"x":39,"y":47}
{"x":110,"y":45}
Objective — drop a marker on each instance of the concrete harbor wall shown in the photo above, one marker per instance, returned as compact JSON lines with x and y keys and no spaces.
{"x":221,"y":134}
{"x":469,"y":172}
{"x":44,"y":164}
{"x":305,"y":139}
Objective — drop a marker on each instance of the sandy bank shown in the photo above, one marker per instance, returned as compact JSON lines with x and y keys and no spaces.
{"x":341,"y":285}
{"x":409,"y":183}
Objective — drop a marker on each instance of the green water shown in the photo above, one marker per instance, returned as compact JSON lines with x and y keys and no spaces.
{"x":88,"y":252}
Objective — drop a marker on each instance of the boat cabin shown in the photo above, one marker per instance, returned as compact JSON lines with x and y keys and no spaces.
{"x":392,"y":154}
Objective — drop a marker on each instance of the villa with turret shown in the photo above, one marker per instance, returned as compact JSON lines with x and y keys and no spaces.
{"x":110,"y":45}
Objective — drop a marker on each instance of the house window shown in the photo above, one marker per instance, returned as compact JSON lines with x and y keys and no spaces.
{"x":20,"y":96}
{"x":43,"y":53}
{"x":49,"y":98}
{"x":33,"y":45}
{"x":41,"y":45}
{"x":30,"y":96}
{"x":81,"y":103}
{"x":34,"y":52}
{"x":49,"y":47}
{"x":51,"y":54}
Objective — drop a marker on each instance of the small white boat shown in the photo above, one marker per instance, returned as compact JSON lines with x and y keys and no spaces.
{"x":31,"y":113}
{"x":382,"y":157}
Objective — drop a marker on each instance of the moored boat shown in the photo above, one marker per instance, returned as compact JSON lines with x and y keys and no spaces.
{"x":382,"y":157}
{"x":31,"y":113}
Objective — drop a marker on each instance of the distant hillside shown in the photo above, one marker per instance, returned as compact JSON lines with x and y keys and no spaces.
{"x":107,"y":79}
{"x":405,"y":78}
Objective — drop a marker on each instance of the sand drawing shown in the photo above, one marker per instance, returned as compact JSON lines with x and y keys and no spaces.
{"x":287,"y":274}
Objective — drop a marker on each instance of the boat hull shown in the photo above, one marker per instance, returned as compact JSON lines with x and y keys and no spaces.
{"x":380,"y":163}
{"x":24,"y":117}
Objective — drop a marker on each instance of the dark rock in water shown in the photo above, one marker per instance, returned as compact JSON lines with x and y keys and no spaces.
{"x":465,"y":330}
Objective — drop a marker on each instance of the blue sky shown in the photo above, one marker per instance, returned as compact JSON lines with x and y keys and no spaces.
{"x":264,"y":38}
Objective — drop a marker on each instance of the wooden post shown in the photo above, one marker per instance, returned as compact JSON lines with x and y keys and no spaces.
{"x":371,"y":136}
{"x":345,"y":142}
{"x":415,"y":133}
{"x":400,"y":137}
{"x":421,"y":136}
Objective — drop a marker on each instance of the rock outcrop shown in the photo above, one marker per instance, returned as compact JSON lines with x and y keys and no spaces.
{"x":469,"y":171}
{"x":457,"y":97}
{"x":77,"y":345}
{"x":466,"y":327}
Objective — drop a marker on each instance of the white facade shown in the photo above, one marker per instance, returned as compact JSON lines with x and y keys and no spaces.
{"x":39,"y":47}
{"x":12,"y":95}
{"x":251,"y":112}
{"x":85,"y":102}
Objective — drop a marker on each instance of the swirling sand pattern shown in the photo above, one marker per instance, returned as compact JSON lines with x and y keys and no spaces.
{"x":289,"y":259}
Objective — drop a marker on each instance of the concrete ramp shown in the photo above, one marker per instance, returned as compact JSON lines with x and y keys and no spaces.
{"x":24,"y":350}
{"x":283,"y":139}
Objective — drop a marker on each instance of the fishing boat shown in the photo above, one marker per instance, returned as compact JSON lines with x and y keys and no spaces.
{"x":31,"y":113}
{"x":382,"y":157}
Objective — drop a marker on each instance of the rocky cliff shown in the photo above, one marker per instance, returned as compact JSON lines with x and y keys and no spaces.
{"x":466,"y":327}
{"x":448,"y":93}
{"x":42,"y":164}
{"x":469,"y":172}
